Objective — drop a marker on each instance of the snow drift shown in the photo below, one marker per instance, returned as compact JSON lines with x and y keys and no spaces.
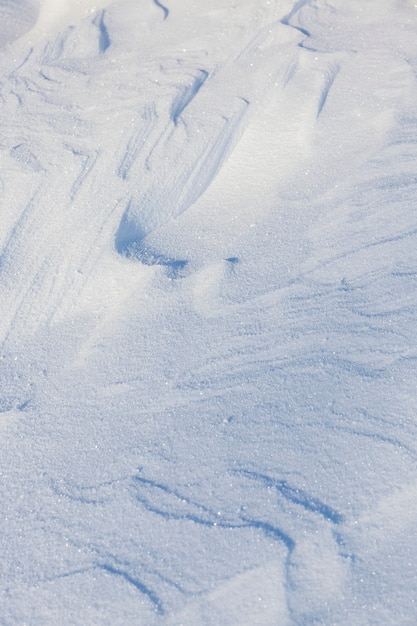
{"x":208,"y":270}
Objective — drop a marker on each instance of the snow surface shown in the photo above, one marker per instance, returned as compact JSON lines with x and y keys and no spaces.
{"x":208,"y":280}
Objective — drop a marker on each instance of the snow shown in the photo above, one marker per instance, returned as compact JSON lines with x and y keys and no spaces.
{"x":208,"y":280}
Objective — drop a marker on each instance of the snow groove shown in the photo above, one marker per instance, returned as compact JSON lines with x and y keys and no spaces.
{"x":104,"y":37}
{"x":297,"y":496}
{"x":163,"y":8}
{"x":328,"y":80}
{"x":138,"y":141}
{"x":160,"y":499}
{"x":186,"y":95}
{"x":137,"y":584}
{"x":170,"y":504}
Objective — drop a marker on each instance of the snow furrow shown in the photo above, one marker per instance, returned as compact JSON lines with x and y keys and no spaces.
{"x":186,"y":95}
{"x":164,"y":9}
{"x":138,"y":141}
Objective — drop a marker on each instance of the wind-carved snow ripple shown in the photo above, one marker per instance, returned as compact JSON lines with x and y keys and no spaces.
{"x":88,"y":39}
{"x":187,"y":94}
{"x":172,"y":504}
{"x":308,"y":529}
{"x":137,"y":584}
{"x":169,"y":171}
{"x":179,"y":168}
{"x":297,"y":496}
{"x":148,"y":119}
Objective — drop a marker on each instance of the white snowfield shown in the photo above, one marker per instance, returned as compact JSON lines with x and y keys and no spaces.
{"x":208,"y":313}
